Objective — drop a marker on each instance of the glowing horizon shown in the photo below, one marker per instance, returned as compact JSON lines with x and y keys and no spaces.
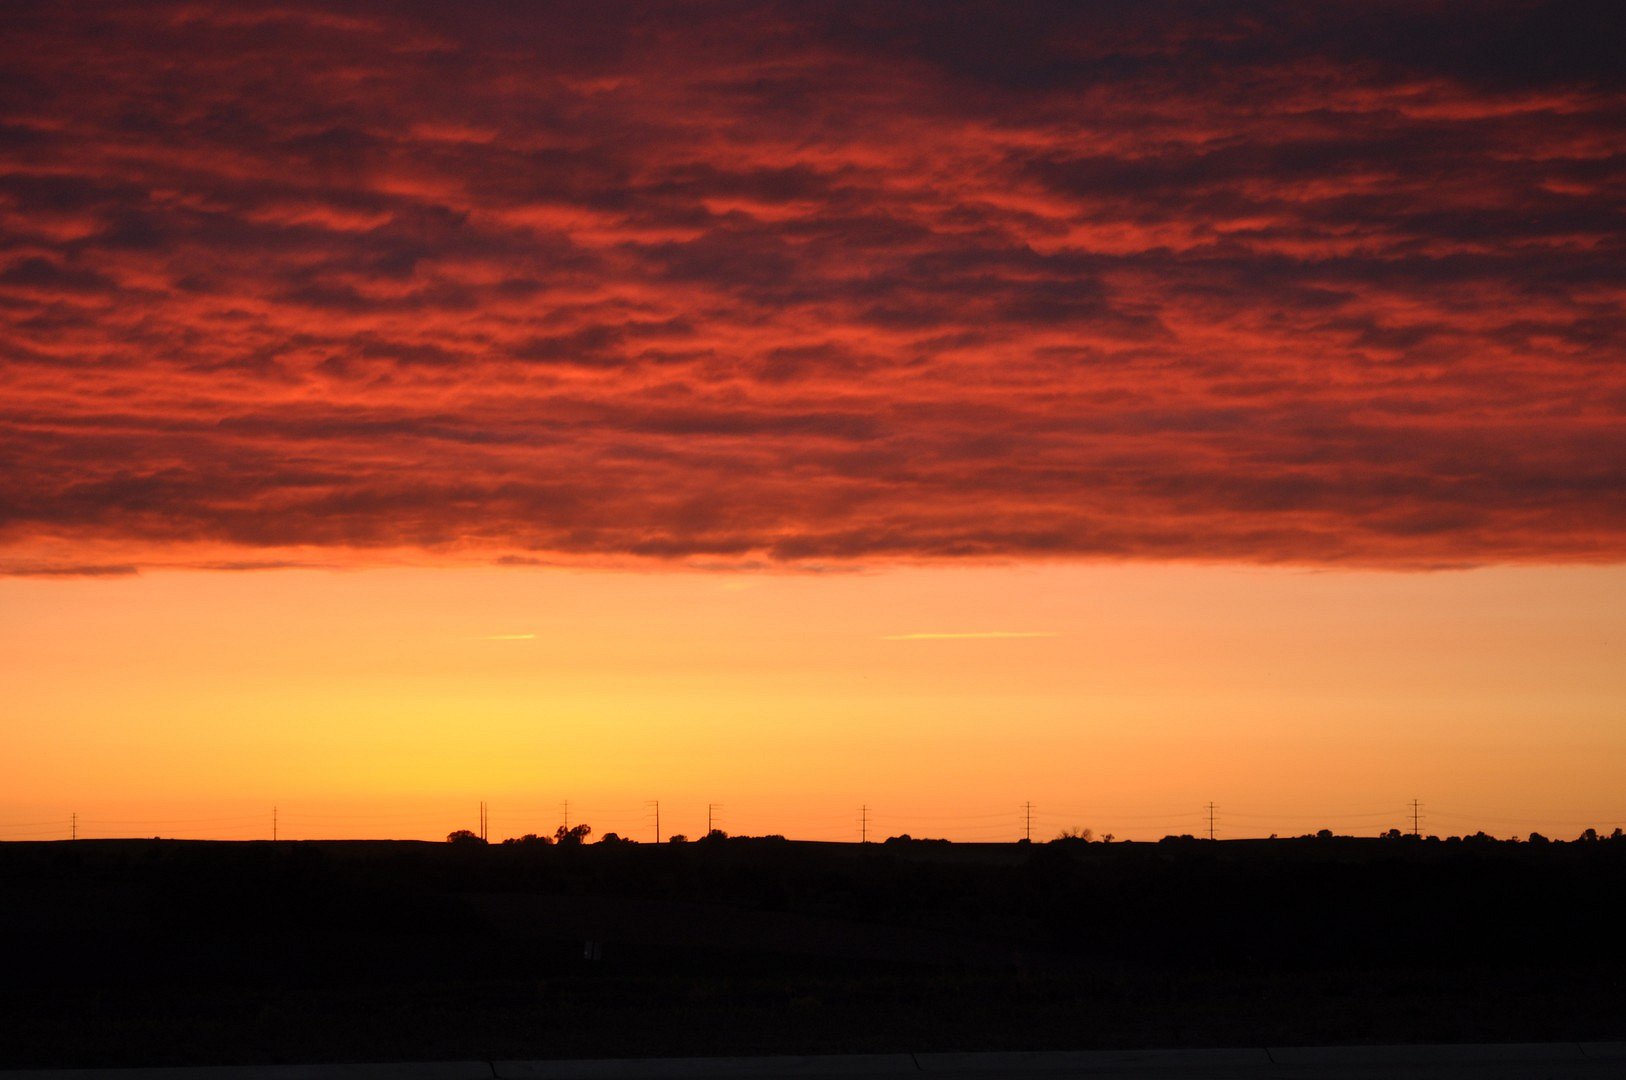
{"x":1293,"y":700}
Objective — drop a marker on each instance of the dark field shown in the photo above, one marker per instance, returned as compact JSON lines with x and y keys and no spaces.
{"x":177,"y":952}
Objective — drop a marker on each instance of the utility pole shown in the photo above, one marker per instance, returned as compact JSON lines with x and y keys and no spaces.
{"x":1415,"y":829}
{"x":567,"y":815}
{"x":863,"y":824}
{"x":709,"y":808}
{"x":73,"y":827}
{"x":273,"y":824}
{"x":1211,"y":821}
{"x":1027,"y":821}
{"x":657,"y":804}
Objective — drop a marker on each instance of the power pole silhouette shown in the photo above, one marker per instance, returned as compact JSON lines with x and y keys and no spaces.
{"x":863,"y":824}
{"x":1415,"y":829}
{"x":710,"y":828}
{"x":73,"y":827}
{"x":1027,"y":821}
{"x":567,"y":815}
{"x":273,"y":824}
{"x":1211,"y":821}
{"x":657,"y":804}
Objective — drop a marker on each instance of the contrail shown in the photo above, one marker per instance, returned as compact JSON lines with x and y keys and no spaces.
{"x":970,"y":634}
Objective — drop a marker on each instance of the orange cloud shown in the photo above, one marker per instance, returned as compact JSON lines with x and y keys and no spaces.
{"x":810,"y":285}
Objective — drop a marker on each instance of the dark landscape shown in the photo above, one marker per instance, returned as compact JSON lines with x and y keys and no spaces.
{"x":149,"y":952}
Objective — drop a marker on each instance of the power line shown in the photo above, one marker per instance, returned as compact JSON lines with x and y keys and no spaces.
{"x":1311,"y":817}
{"x":970,"y":827}
{"x":906,"y":816}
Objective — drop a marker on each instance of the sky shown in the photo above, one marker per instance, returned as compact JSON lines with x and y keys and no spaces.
{"x":801,"y":407}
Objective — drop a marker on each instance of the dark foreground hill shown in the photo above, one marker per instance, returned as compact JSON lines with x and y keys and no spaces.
{"x":160,"y":952}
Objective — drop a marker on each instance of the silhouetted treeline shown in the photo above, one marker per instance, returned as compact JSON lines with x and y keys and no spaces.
{"x":1300,"y":902}
{"x":142,"y":952}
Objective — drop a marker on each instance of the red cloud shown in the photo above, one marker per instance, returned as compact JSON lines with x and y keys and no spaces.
{"x":808,"y":285}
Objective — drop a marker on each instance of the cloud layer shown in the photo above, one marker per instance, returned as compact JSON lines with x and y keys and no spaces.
{"x":811,"y":284}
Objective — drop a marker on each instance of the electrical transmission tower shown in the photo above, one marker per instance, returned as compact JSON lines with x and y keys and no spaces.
{"x":656,"y":803}
{"x":1416,"y":829}
{"x":1027,"y":821}
{"x":1211,"y":821}
{"x":863,"y":824}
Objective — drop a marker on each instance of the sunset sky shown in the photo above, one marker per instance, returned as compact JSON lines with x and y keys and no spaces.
{"x":796,"y":407}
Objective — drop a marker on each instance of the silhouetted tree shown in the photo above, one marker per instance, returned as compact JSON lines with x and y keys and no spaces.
{"x":529,"y":839}
{"x":573,"y":836}
{"x":464,"y":836}
{"x":677,"y":838}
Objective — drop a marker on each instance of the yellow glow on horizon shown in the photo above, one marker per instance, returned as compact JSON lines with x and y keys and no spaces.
{"x":371,"y":703}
